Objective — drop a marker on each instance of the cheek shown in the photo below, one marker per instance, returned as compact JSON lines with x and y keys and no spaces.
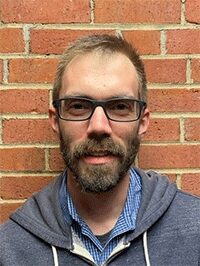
{"x":74,"y":131}
{"x":123,"y":133}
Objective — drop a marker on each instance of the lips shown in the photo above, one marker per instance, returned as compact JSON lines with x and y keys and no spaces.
{"x":98,"y":159}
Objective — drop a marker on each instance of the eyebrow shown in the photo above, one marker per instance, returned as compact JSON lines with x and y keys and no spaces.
{"x":81,"y":95}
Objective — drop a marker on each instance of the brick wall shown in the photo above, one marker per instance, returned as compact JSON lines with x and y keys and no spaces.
{"x":32,"y":35}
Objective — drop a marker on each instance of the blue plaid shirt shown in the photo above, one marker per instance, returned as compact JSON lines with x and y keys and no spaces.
{"x":125,"y":223}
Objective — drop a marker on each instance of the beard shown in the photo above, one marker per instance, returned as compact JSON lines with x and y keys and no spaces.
{"x":99,"y":177}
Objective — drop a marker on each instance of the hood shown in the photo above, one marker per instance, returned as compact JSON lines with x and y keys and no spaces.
{"x":157,"y":195}
{"x":42,"y":215}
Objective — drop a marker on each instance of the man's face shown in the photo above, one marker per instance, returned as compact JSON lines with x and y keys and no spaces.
{"x":99,"y":152}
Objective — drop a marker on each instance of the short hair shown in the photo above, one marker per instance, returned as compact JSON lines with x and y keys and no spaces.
{"x":106,"y":44}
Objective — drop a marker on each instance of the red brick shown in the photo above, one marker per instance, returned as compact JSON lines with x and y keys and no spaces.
{"x":1,"y":71}
{"x":196,"y":70}
{"x":167,"y":71}
{"x":34,"y":11}
{"x":161,"y":129}
{"x":11,"y":40}
{"x":35,"y":70}
{"x":50,"y":41}
{"x":183,"y":41}
{"x":192,"y":129}
{"x":192,"y":11}
{"x":174,"y":100}
{"x":169,"y":156}
{"x":137,"y":11}
{"x":6,"y":209}
{"x":22,"y":159}
{"x":146,"y":42}
{"x":22,"y":187}
{"x":191,"y":183}
{"x":24,"y":101}
{"x":55,"y":160}
{"x":28,"y":131}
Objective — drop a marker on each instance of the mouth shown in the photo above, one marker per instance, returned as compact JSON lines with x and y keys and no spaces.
{"x":96,"y":158}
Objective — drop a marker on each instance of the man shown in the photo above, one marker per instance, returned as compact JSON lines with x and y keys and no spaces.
{"x":101,"y":210}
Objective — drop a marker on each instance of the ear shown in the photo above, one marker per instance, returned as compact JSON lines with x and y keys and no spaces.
{"x":53,"y":118}
{"x":144,"y":122}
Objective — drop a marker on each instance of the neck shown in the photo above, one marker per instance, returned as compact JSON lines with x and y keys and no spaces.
{"x":99,"y":210}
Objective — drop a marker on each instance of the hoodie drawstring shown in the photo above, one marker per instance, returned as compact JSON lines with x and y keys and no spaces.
{"x":55,"y":256}
{"x":145,"y":246}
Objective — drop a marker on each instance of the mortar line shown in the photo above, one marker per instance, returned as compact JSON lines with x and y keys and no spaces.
{"x":34,"y":174}
{"x":11,"y":201}
{"x":163,"y":42}
{"x":170,"y":143}
{"x":42,"y":86}
{"x":89,"y":26}
{"x":57,"y":56}
{"x":26,"y":86}
{"x":55,"y":144}
{"x":177,"y":171}
{"x":178,"y":181}
{"x":5,"y":70}
{"x":26,"y":34}
{"x":37,"y":145}
{"x":1,"y":131}
{"x":182,"y":130}
{"x":166,"y":115}
{"x":47,"y":168}
{"x":24,"y":116}
{"x":175,"y":115}
{"x":188,"y":72}
{"x":92,"y":13}
{"x":183,"y":20}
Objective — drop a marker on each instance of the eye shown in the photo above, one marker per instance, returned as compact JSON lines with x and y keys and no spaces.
{"x":120,"y":106}
{"x":121,"y":109}
{"x":76,"y":106}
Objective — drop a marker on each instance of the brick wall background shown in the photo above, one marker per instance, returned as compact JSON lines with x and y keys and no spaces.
{"x":32,"y":35}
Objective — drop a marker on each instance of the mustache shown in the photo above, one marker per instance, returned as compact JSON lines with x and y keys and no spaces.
{"x":98,"y":147}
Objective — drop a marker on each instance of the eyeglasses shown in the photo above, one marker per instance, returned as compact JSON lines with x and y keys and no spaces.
{"x":124,"y":109}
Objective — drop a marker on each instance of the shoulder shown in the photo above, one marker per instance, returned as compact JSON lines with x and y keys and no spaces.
{"x":6,"y":229}
{"x":9,"y":231}
{"x":18,"y":246}
{"x":184,"y":212}
{"x":188,"y":202}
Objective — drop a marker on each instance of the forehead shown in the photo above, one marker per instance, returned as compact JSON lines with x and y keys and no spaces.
{"x":100,"y":75}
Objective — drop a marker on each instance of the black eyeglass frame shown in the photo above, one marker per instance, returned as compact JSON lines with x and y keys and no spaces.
{"x":97,"y":103}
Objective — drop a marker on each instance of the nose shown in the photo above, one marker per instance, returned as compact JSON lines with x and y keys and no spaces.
{"x":99,"y":124}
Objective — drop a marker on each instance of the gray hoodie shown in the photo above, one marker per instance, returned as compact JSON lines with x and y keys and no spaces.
{"x":167,"y":230}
